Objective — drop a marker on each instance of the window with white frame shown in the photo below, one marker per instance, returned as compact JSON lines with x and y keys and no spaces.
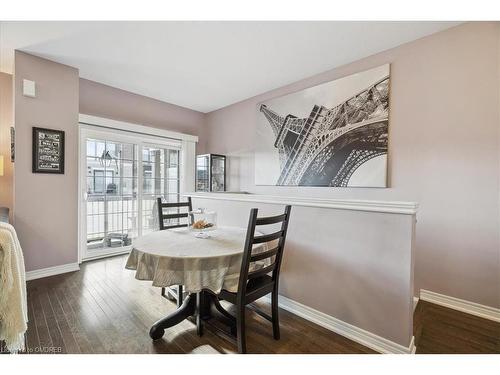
{"x":125,"y":174}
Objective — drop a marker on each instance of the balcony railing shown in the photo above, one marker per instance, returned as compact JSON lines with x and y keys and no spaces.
{"x":112,"y":221}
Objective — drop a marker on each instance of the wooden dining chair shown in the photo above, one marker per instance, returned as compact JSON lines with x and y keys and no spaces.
{"x":165,"y":292}
{"x":257,"y":283}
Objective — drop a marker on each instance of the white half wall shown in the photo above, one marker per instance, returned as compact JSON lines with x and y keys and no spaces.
{"x":352,"y":265}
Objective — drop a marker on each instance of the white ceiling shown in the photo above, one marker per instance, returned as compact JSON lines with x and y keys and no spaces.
{"x":204,"y":65}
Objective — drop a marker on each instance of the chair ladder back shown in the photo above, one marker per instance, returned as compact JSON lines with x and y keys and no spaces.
{"x":162,"y":217}
{"x":276,"y":252}
{"x":281,"y":243}
{"x":247,"y":253}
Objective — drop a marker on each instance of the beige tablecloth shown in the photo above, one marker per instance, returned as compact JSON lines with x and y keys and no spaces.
{"x":177,"y":257}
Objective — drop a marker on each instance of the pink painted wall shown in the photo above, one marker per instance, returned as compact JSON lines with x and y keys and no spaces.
{"x":45,"y":205}
{"x":6,"y":121}
{"x":443,"y":154}
{"x":106,"y":101}
{"x":342,"y":263}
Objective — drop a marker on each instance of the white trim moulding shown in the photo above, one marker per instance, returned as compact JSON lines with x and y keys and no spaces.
{"x":359,"y":335}
{"x":52,"y":271}
{"x":405,"y":208}
{"x":135,"y":128}
{"x":415,"y":303}
{"x":482,"y":311}
{"x":116,"y":252}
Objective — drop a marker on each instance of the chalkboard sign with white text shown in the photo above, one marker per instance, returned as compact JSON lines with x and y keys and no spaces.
{"x":48,"y":151}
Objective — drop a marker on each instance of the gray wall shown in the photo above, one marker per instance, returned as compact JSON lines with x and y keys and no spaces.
{"x":443,"y":154}
{"x":45,"y":205}
{"x":105,"y":101}
{"x":6,"y":121}
{"x":343,"y":263}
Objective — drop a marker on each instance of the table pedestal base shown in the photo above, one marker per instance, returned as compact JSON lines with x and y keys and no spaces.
{"x":201,"y":307}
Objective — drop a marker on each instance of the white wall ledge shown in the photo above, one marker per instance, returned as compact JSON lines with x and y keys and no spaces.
{"x":393,"y":207}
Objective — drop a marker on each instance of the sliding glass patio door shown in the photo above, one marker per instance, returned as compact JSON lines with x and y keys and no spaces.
{"x":121,"y":177}
{"x":160,"y":178}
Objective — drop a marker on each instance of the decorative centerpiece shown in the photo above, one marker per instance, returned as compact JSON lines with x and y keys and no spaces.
{"x":202,"y":221}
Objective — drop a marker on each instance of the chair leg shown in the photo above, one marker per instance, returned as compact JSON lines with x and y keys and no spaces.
{"x":179,"y":295}
{"x":275,"y":315}
{"x":168,"y":293}
{"x":240,"y":330}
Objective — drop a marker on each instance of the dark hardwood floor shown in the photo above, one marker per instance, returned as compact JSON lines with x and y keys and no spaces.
{"x":439,"y":330}
{"x":103,"y":309}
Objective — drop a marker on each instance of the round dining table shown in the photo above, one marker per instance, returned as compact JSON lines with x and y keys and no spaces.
{"x":204,"y":266}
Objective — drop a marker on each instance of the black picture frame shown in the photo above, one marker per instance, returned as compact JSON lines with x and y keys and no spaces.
{"x":48,"y":151}
{"x":12,"y":144}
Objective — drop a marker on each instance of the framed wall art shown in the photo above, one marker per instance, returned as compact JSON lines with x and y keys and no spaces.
{"x":12,"y":144}
{"x":334,"y":134}
{"x":48,"y":151}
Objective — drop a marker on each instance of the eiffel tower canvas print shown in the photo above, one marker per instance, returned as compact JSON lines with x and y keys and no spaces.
{"x":334,"y":134}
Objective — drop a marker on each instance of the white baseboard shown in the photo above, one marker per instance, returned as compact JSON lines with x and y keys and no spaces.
{"x":415,"y":302}
{"x":107,"y":254}
{"x":350,"y":331}
{"x":468,"y":307}
{"x":51,"y":271}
